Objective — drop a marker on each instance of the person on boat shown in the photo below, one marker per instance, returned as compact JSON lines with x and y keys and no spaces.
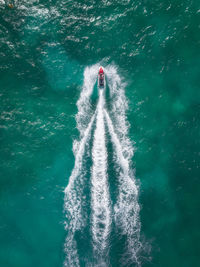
{"x":101,"y":70}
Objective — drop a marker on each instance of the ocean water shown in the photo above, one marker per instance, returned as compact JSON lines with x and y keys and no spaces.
{"x":91,"y":177}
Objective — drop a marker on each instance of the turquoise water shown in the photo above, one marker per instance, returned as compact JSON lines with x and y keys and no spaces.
{"x":46,"y":49}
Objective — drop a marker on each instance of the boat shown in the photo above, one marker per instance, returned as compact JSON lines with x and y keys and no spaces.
{"x":101,"y":78}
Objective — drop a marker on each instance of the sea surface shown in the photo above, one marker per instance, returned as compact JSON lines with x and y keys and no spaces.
{"x":92,"y":177}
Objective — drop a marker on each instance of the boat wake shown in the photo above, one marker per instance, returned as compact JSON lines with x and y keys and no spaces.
{"x":105,"y":215}
{"x":100,"y":204}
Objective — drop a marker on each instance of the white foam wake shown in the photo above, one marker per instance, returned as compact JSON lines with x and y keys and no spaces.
{"x":73,"y":191}
{"x":118,"y":111}
{"x":127,"y":207}
{"x":72,"y":201}
{"x":100,"y":200}
{"x":83,"y":104}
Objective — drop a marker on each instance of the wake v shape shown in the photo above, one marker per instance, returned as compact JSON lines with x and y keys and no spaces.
{"x":103,"y":214}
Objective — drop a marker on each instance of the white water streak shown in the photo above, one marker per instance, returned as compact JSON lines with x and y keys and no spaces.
{"x":127,"y":207}
{"x":83,"y":104}
{"x":73,"y":191}
{"x":118,"y":110}
{"x":79,"y":156}
{"x":101,"y":213}
{"x":72,"y":201}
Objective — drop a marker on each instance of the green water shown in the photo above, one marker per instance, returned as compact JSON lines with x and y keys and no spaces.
{"x":45,"y":47}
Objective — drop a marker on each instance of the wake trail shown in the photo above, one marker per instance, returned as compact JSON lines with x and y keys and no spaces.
{"x":127,"y":208}
{"x":100,"y":199}
{"x":73,"y":191}
{"x":119,"y":106}
{"x":72,"y":201}
{"x":83,"y":104}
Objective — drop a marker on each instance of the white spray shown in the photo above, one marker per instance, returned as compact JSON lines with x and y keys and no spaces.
{"x":73,"y":191}
{"x":101,"y":213}
{"x":127,"y":207}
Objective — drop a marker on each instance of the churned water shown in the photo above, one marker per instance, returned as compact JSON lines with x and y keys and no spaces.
{"x":99,"y":178}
